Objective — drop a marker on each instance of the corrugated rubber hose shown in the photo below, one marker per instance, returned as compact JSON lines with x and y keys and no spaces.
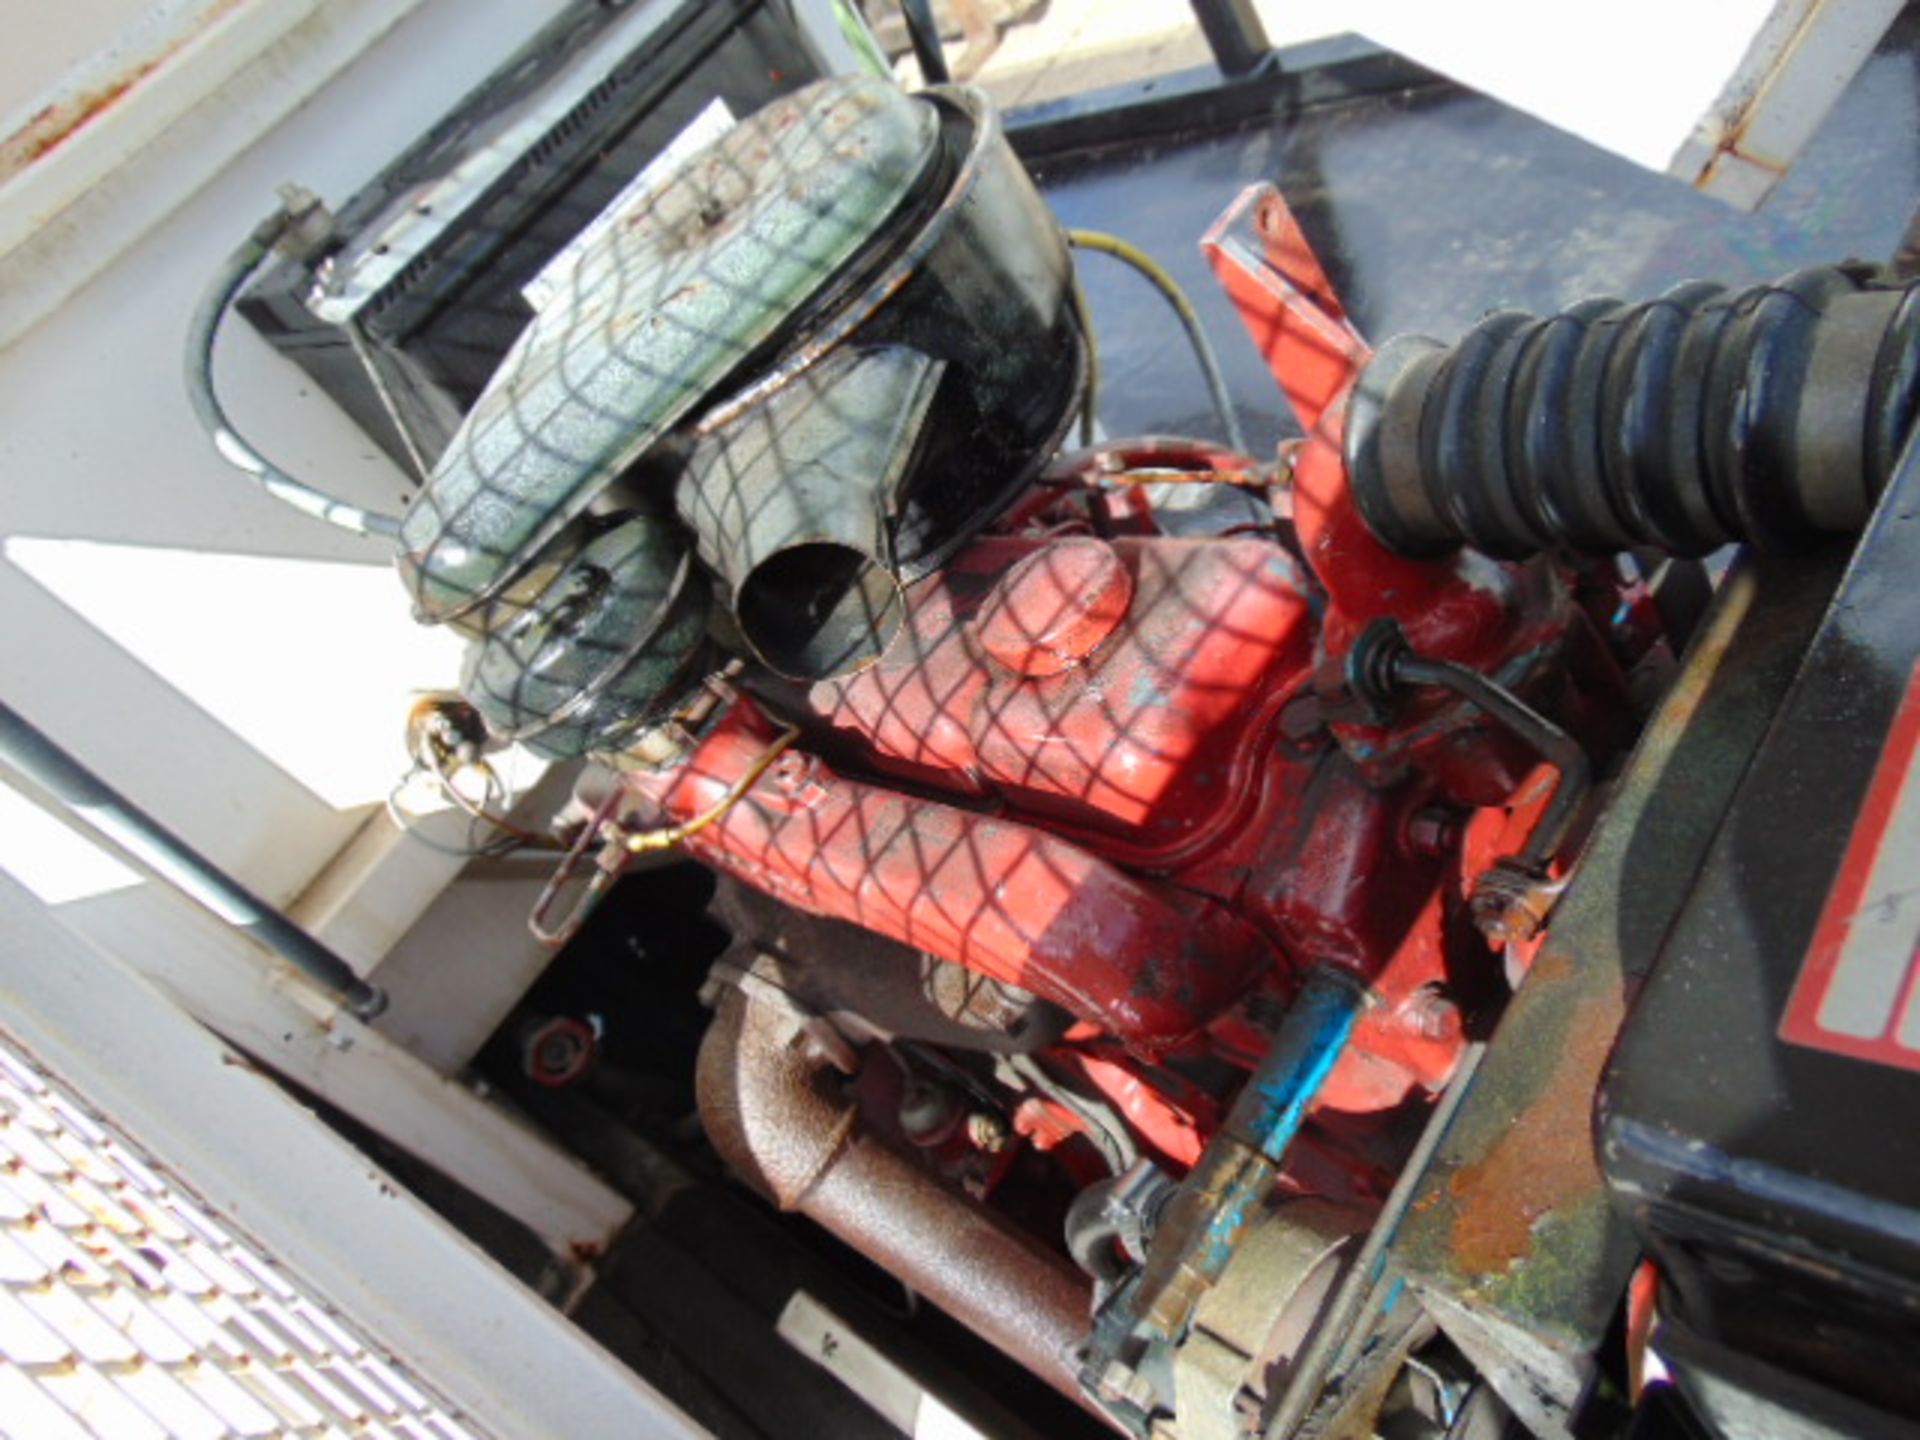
{"x":1771,"y":415}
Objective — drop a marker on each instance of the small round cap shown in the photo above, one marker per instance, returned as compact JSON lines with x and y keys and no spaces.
{"x":1052,"y":610}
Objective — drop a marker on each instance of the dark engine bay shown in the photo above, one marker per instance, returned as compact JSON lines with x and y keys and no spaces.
{"x":1397,"y":934}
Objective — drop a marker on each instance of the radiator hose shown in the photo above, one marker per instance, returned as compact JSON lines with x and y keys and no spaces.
{"x":1770,"y":415}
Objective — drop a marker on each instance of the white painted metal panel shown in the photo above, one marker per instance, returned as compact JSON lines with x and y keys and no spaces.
{"x":206,"y":1213}
{"x":1720,"y":93}
{"x":264,"y":1006}
{"x":128,"y":1307}
{"x":100,"y":461}
{"x":1795,"y":68}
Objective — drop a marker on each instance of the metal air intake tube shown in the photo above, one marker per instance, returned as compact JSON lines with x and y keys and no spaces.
{"x":1770,"y":415}
{"x":791,"y":505}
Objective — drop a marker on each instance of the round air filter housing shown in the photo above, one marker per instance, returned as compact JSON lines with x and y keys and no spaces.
{"x":715,"y":364}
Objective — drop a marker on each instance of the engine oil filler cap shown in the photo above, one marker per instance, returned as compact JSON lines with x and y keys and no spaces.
{"x":1052,"y":610}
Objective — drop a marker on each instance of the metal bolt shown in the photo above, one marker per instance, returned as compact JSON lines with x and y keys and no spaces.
{"x":1434,"y":831}
{"x":1512,"y":900}
{"x":558,"y":1051}
{"x":927,"y":1112}
{"x":1429,"y":1013}
{"x":988,"y":1132}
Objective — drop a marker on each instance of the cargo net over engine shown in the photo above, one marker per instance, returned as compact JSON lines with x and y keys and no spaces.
{"x":1122,"y":845}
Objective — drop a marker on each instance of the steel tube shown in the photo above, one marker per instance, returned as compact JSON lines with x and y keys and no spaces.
{"x":1235,"y":34}
{"x":100,"y":807}
{"x":1338,"y":1322}
{"x":1554,"y":745}
{"x":1221,"y":1199}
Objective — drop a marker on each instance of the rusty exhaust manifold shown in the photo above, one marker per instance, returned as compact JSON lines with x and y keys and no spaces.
{"x":766,"y":1105}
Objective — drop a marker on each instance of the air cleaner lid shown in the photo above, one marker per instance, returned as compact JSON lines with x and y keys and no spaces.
{"x":660,"y":308}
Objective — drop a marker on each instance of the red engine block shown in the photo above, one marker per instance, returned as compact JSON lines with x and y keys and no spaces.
{"x":1096,"y":762}
{"x":1139,"y":816}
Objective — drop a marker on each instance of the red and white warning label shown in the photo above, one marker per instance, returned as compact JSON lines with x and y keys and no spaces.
{"x":1859,"y":988}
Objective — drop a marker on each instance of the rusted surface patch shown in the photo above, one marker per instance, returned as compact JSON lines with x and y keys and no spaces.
{"x":1512,"y":1238}
{"x":1544,"y":1162}
{"x":54,"y":124}
{"x":1514,"y":1216}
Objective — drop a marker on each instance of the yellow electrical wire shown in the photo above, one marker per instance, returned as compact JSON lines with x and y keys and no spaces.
{"x":668,"y":836}
{"x":1156,"y":273}
{"x":1090,"y":398}
{"x":620,"y":846}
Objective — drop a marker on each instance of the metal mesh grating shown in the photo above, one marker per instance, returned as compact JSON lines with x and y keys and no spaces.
{"x":128,"y":1311}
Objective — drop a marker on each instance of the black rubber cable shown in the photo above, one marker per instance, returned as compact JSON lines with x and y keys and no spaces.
{"x":923,"y":33}
{"x":234,"y":447}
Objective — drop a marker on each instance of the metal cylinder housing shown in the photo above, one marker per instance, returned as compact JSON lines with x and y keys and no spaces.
{"x":819,"y":356}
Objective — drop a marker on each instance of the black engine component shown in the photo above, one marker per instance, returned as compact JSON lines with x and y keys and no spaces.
{"x":1760,"y":1123}
{"x":1768,"y":415}
{"x":831,"y":967}
{"x":423,"y":286}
